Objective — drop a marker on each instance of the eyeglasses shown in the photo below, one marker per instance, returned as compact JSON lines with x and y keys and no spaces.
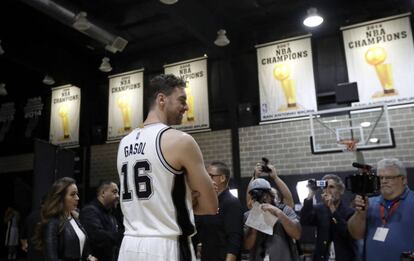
{"x":389,"y":177}
{"x":212,"y":176}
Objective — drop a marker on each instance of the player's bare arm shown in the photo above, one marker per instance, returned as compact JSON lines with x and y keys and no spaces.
{"x":181,"y":151}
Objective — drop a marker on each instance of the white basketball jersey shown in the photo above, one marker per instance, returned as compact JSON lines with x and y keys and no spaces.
{"x":155,"y":198}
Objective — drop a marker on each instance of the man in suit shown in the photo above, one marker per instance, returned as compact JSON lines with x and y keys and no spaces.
{"x":100,"y":223}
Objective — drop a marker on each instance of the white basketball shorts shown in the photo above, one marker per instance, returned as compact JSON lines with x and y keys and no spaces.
{"x":156,"y":249}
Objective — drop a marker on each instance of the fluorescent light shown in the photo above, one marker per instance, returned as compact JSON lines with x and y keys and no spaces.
{"x":234,"y":192}
{"x":313,"y":19}
{"x":302,"y":190}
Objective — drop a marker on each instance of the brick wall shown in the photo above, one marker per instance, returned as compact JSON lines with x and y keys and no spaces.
{"x":215,"y":145}
{"x":286,"y":144}
{"x":16,"y":163}
{"x":103,"y":163}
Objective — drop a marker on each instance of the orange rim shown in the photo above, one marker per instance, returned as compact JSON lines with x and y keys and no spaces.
{"x":350,"y":144}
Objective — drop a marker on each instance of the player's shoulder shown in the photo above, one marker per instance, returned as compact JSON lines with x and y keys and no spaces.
{"x":129,"y":137}
{"x":178,"y":136}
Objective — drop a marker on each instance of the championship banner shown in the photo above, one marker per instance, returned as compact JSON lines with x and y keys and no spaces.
{"x":194,"y":73}
{"x":7,"y":111}
{"x":380,"y":58}
{"x":125,"y":110}
{"x":286,"y":82}
{"x":65,"y":114}
{"x":32,"y":112}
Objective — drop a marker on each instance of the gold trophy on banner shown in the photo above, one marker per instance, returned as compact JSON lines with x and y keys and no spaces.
{"x":123,"y":104}
{"x":64,"y":117}
{"x":282,"y":72}
{"x":190,"y":102}
{"x":376,"y":56}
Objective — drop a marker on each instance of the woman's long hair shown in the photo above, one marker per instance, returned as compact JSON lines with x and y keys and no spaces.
{"x":53,"y":207}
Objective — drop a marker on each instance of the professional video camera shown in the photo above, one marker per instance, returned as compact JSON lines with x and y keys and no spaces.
{"x":314,"y":184}
{"x":265,"y":168}
{"x":365,"y":182}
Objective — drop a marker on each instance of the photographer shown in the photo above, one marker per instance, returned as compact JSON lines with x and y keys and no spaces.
{"x":265,"y":169}
{"x":385,"y":222}
{"x":280,"y":245}
{"x":330,"y":218}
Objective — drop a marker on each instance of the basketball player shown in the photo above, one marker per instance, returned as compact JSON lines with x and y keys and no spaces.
{"x":160,"y":170}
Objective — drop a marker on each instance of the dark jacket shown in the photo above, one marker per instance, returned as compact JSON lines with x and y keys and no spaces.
{"x":330,"y":227}
{"x":221,"y":234}
{"x":105,"y":236}
{"x":63,"y":245}
{"x":28,"y":233}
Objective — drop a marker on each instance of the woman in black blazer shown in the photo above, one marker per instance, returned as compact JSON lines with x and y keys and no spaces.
{"x":59,"y":233}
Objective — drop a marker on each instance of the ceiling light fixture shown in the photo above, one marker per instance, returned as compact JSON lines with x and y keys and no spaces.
{"x":1,"y":49}
{"x":222,"y":39}
{"x":65,"y":15}
{"x":313,"y":19}
{"x":81,"y":23}
{"x":105,"y":65}
{"x":3,"y":91}
{"x":168,"y":2}
{"x":48,"y":80}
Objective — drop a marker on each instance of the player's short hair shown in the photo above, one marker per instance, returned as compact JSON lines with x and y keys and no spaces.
{"x":163,"y":83}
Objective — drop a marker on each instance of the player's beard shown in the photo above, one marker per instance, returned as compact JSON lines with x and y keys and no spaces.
{"x":174,"y":119}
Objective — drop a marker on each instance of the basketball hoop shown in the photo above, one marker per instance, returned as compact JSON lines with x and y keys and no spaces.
{"x":348,"y":144}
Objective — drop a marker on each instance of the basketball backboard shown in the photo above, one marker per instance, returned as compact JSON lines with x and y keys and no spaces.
{"x":368,"y":127}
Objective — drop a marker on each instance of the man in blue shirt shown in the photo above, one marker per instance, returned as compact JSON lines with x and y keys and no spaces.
{"x":386,"y":221}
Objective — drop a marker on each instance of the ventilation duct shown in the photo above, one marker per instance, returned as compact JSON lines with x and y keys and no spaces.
{"x":113,"y":43}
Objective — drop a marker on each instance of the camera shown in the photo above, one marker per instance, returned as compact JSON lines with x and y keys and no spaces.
{"x":314,"y":184}
{"x":265,"y":168}
{"x":365,"y":182}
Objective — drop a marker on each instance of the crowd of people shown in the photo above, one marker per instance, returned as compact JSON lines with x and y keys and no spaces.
{"x":175,"y":208}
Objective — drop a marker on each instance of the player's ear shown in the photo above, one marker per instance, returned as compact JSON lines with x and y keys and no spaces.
{"x":161,"y":98}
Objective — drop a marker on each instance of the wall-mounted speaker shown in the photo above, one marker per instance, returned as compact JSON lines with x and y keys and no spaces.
{"x":346,"y":93}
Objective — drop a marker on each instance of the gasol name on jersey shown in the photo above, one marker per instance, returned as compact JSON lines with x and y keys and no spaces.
{"x":136,"y":148}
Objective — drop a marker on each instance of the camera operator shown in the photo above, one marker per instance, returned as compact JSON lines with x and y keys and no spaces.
{"x":279,"y":246}
{"x":330,"y":217}
{"x":385,"y":222}
{"x":265,"y":169}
